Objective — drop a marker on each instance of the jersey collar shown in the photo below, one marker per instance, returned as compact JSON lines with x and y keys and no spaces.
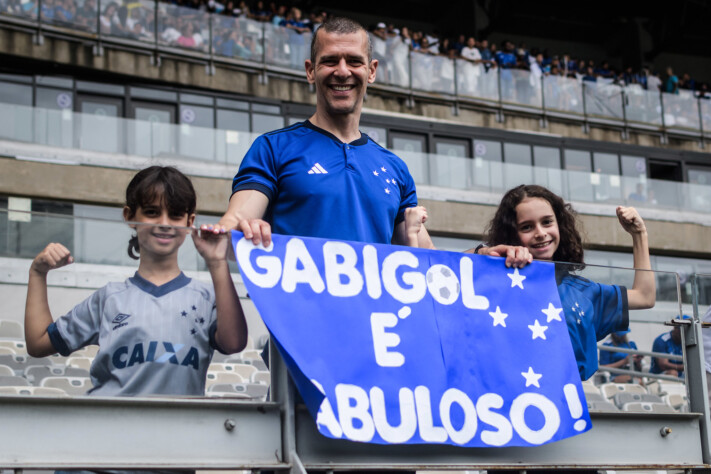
{"x":158,"y":291}
{"x":359,"y":141}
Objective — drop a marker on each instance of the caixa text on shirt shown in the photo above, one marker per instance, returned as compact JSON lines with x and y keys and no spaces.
{"x":157,"y":352}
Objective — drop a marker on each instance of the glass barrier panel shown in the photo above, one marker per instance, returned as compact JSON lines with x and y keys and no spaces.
{"x":239,"y":38}
{"x":698,"y":196}
{"x":182,"y":27}
{"x":196,"y":142}
{"x":526,"y":88}
{"x":396,"y":69}
{"x":487,"y":175}
{"x":580,"y":186}
{"x":681,"y":111}
{"x":562,"y":93}
{"x":474,"y":81}
{"x":706,"y":114}
{"x":16,"y":122}
{"x":276,"y":41}
{"x":99,"y":132}
{"x":643,"y":105}
{"x":451,"y":171}
{"x":640,"y":370}
{"x":54,"y":127}
{"x":19,"y":8}
{"x":70,"y":13}
{"x":151,"y":138}
{"x":418,"y":163}
{"x":135,"y":20}
{"x":603,"y":99}
{"x":703,"y":300}
{"x":432,"y":73}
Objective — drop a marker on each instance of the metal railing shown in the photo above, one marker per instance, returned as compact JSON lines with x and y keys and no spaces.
{"x":164,"y":28}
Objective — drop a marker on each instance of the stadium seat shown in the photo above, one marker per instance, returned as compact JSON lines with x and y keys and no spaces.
{"x":644,"y":407}
{"x":11,"y":330}
{"x":602,"y":407}
{"x":609,"y":390}
{"x":222,"y":378}
{"x":589,"y":387}
{"x":34,"y":391}
{"x":676,"y":400}
{"x":19,"y":362}
{"x":250,"y":354}
{"x":88,"y":351}
{"x":664,"y":387}
{"x":251,"y":390}
{"x":258,"y":364}
{"x":16,"y":346}
{"x":36,"y":373}
{"x":264,"y":378}
{"x":5,"y":370}
{"x":79,"y":362}
{"x":6,"y":351}
{"x":13,"y":380}
{"x":73,"y":386}
{"x":623,"y":398}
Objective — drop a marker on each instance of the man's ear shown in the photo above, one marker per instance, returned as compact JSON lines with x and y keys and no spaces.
{"x":309,"y":66}
{"x":371,"y":70}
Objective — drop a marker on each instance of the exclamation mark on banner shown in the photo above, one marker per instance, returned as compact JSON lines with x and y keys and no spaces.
{"x":576,"y":409}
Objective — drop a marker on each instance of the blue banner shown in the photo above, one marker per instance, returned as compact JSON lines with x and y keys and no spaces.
{"x":390,"y":344}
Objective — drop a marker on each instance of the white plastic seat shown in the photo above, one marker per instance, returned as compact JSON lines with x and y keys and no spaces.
{"x":214,"y":378}
{"x":264,"y":378}
{"x":13,"y":381}
{"x":36,"y":373}
{"x":609,"y":390}
{"x":250,"y":354}
{"x":88,"y":351}
{"x":5,"y":370}
{"x":602,"y":407}
{"x":11,"y":329}
{"x":623,"y":398}
{"x":33,"y":391}
{"x":71,"y":385}
{"x":79,"y":362}
{"x":644,"y":407}
{"x":676,"y":400}
{"x":16,"y":346}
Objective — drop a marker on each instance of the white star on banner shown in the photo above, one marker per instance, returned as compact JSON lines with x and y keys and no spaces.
{"x":375,"y":172}
{"x":537,"y":330}
{"x":387,"y":190}
{"x":516,"y":278}
{"x":532,"y":377}
{"x":499,"y":317}
{"x":382,"y":168}
{"x":552,"y":312}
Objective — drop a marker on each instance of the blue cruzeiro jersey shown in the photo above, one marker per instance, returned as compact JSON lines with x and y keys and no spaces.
{"x":664,"y":343}
{"x":319,"y":186}
{"x":592,"y":311}
{"x":152,"y":339}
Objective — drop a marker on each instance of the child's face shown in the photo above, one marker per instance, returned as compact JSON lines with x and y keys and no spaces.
{"x":537,"y":228}
{"x":159,"y":239}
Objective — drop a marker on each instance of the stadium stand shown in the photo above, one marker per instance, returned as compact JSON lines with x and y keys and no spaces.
{"x":87,"y":98}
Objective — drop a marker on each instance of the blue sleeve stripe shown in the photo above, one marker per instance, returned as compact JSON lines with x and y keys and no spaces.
{"x":256,"y":187}
{"x":57,"y":340}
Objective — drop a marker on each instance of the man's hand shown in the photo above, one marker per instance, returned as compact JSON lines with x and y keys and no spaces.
{"x":517,"y":257}
{"x":244,"y":214}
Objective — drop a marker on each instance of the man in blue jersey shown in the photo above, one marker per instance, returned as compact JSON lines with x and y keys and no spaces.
{"x":668,"y":343}
{"x":323,"y":177}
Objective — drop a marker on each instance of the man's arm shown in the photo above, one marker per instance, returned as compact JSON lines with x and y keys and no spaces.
{"x":245,"y":213}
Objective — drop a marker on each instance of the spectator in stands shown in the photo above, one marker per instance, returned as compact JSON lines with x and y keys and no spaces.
{"x":86,"y":15}
{"x":471,"y":70}
{"x":107,"y":18}
{"x":341,"y":69}
{"x":460,"y":43}
{"x":590,"y":75}
{"x":379,"y":39}
{"x":192,"y":318}
{"x":703,"y":92}
{"x":260,"y":12}
{"x":297,"y":42}
{"x":686,"y":82}
{"x":279,"y":15}
{"x":654,"y":83}
{"x":621,"y":360}
{"x":536,"y":218}
{"x":189,"y":38}
{"x":671,"y":83}
{"x":668,"y":343}
{"x":487,"y":57}
{"x":506,"y":60}
{"x":399,"y":52}
{"x":638,"y":195}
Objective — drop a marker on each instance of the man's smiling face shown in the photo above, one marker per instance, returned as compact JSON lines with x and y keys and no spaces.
{"x":341,"y":71}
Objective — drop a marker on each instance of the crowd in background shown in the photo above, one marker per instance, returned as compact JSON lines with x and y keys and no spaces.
{"x":184,"y":23}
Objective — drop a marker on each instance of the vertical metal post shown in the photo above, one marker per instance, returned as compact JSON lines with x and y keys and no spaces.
{"x":264,"y":78}
{"x":98,"y":49}
{"x":586,"y":126}
{"x":701,"y":123}
{"x":696,"y":372}
{"x":455,"y":110}
{"x":625,"y":133}
{"x":544,"y":121}
{"x":39,"y":40}
{"x":156,"y":55}
{"x":663,"y":138}
{"x":282,"y":391}
{"x":410,"y":99}
{"x":500,"y":112}
{"x":210,"y":47}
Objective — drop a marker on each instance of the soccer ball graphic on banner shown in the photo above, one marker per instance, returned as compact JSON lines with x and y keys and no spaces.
{"x":443,"y":284}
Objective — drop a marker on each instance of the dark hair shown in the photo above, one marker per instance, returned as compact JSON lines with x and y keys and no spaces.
{"x":503,"y":227}
{"x":342,"y":26}
{"x":173,"y":188}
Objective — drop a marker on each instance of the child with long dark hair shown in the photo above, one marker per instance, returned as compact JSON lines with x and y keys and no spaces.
{"x":157,"y":330}
{"x":536,"y":218}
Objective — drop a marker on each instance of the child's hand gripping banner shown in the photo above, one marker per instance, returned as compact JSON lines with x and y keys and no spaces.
{"x":391,"y":344}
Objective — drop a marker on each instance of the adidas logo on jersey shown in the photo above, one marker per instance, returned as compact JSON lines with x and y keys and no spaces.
{"x":318,"y":169}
